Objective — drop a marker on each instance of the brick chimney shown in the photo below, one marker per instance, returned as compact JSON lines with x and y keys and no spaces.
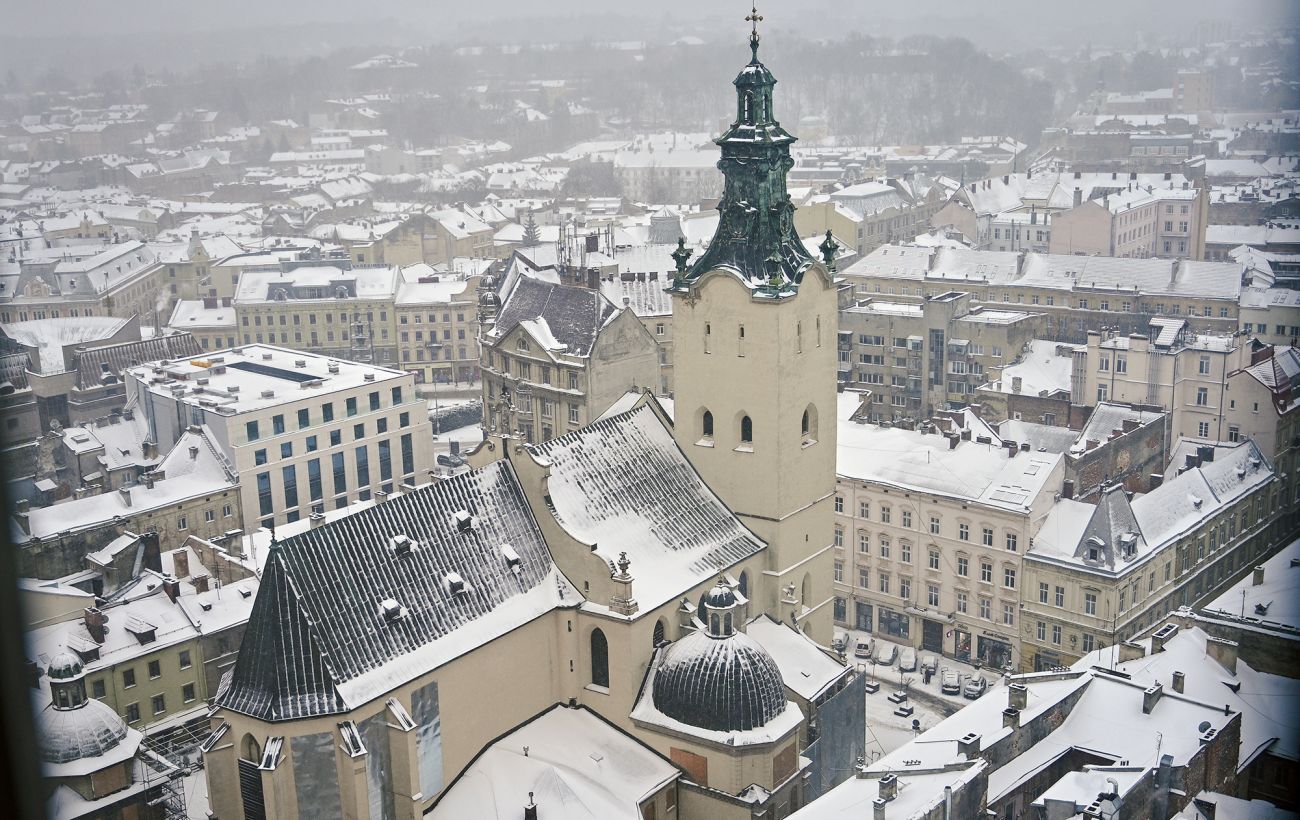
{"x":1010,"y":718}
{"x":969,"y":745}
{"x":181,"y":563}
{"x":1224,"y":651}
{"x":200,"y":583}
{"x":1257,"y":577}
{"x":1179,"y":679}
{"x":172,"y":588}
{"x":888,"y":787}
{"x":96,"y":623}
{"x":1017,"y":696}
{"x":1151,"y":696}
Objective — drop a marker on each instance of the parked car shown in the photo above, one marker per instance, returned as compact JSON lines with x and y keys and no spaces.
{"x":862,"y":649}
{"x":885,"y":654}
{"x":975,"y":686}
{"x":950,"y":682}
{"x":450,"y":460}
{"x":907,"y":659}
{"x":929,"y":663}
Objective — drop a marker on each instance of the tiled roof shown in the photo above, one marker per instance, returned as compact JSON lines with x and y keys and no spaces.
{"x":91,"y":363}
{"x":574,"y":315}
{"x":318,"y":640}
{"x":623,"y":485}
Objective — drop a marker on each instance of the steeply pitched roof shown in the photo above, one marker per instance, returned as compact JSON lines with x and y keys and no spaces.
{"x":622,"y":484}
{"x":318,"y":640}
{"x":574,"y":315}
{"x":94,"y":363}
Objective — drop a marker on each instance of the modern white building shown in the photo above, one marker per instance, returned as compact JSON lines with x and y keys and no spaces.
{"x":303,"y":432}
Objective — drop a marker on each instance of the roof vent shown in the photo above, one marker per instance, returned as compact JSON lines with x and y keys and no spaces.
{"x":391,"y":610}
{"x":300,"y":363}
{"x":370,"y":377}
{"x":268,"y":394}
{"x":266,"y":357}
{"x":512,"y":556}
{"x":206,"y":606}
{"x":245,"y":592}
{"x":464,"y":521}
{"x":333,"y":367}
{"x":454,"y":583}
{"x":401,"y":545}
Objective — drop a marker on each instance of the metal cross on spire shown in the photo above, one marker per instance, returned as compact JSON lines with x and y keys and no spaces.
{"x":754,"y":19}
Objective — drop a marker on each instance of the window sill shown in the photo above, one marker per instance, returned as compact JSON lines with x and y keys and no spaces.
{"x":600,"y":690}
{"x":704,"y":442}
{"x":808,"y":442}
{"x":744,"y":448}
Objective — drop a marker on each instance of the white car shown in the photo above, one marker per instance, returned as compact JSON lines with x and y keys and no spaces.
{"x":975,"y":687}
{"x":885,"y":654}
{"x":907,"y":660}
{"x":862,"y":649}
{"x":949,"y":682}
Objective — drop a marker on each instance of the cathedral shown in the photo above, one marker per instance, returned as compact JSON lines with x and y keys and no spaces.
{"x":632,"y":620}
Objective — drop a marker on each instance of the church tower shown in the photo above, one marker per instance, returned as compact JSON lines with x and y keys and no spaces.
{"x":754,"y":326}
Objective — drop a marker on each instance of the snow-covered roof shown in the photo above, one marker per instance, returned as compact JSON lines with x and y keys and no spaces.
{"x":53,"y":338}
{"x":1279,"y":591}
{"x":806,"y":668}
{"x":573,"y":762}
{"x":1044,"y":369}
{"x":910,"y":459}
{"x":623,"y":485}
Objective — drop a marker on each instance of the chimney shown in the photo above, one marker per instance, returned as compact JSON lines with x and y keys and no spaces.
{"x":1091,"y":444}
{"x":1017,"y":696}
{"x":125,"y":492}
{"x":1156,"y":480}
{"x":1024,"y":446}
{"x":1151,"y":697}
{"x":1179,"y":678}
{"x":1010,"y":718}
{"x":1206,"y":453}
{"x":95,"y":623}
{"x":1016,"y":383}
{"x":194,"y":452}
{"x":888,"y":787}
{"x":1067,"y":488}
{"x":200,"y":583}
{"x":1161,"y":635}
{"x":1224,"y":651}
{"x":172,"y":588}
{"x":953,"y":438}
{"x":1257,"y":577}
{"x":1012,"y":449}
{"x":530,"y":809}
{"x":148,"y":480}
{"x":1078,"y":197}
{"x":1130,"y":425}
{"x":181,"y":563}
{"x":969,"y":745}
{"x":878,"y":808}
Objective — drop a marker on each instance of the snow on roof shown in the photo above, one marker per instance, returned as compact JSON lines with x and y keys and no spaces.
{"x":806,"y":668}
{"x":1042,"y":370}
{"x":1279,"y":591}
{"x":918,"y":794}
{"x":622,"y":484}
{"x":188,"y":475}
{"x":317,"y":282}
{"x":192,"y":314}
{"x":1214,"y":806}
{"x":50,"y":336}
{"x":573,"y":762}
{"x":1269,"y":704}
{"x":1106,"y":418}
{"x":910,"y":459}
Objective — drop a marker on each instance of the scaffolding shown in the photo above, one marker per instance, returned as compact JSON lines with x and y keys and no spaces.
{"x":166,"y":758}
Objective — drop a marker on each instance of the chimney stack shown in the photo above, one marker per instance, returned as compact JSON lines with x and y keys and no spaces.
{"x":530,"y":809}
{"x":1156,"y":480}
{"x":1257,"y":577}
{"x":1151,"y":697}
{"x":95,"y":623}
{"x":1017,"y":696}
{"x":1067,"y":488}
{"x":1016,"y":383}
{"x":878,"y":808}
{"x":200,"y":583}
{"x":888,"y":787}
{"x":969,"y":745}
{"x":1010,"y":718}
{"x":1179,"y":679}
{"x":172,"y":588}
{"x":181,"y":563}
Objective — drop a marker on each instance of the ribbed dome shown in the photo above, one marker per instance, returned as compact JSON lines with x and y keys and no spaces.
{"x":64,"y":666}
{"x":72,"y":734}
{"x":728,"y":685}
{"x":720,"y":597}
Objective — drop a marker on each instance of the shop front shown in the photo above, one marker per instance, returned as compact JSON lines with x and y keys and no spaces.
{"x":993,"y":650}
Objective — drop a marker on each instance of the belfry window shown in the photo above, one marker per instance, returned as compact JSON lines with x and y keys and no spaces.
{"x":706,"y":423}
{"x":599,"y":659}
{"x":746,"y":431}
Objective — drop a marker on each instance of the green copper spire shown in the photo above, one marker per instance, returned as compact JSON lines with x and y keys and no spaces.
{"x":755,"y":237}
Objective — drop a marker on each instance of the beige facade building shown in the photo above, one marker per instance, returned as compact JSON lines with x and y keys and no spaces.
{"x":556,"y":357}
{"x":122,"y":280}
{"x":918,"y":356}
{"x":1098,"y":575}
{"x":932,"y":525}
{"x":303,"y":432}
{"x":871,"y":214}
{"x":1162,"y":222}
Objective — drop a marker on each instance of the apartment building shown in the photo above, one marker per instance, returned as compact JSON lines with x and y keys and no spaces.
{"x":1097,"y":575}
{"x":1138,"y":222}
{"x":437,"y":324}
{"x":556,"y":357}
{"x":917,"y":356}
{"x":870,"y":214}
{"x":932,"y":524}
{"x":345,"y":430}
{"x":1074,"y":293}
{"x":122,"y":280}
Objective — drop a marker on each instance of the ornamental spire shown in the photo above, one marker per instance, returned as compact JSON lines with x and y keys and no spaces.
{"x":754,"y":19}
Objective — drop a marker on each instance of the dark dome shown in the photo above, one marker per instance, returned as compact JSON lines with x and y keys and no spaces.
{"x":720,"y":597}
{"x":64,"y":666}
{"x":727,"y":685}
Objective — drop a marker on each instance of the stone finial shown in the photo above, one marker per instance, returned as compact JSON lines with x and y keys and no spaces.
{"x":681,"y":256}
{"x":829,"y":247}
{"x":623,"y":564}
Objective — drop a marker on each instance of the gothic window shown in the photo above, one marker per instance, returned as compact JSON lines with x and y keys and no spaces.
{"x":706,"y":423}
{"x":743,"y":586}
{"x":658,"y":636}
{"x":746,"y":431}
{"x":809,"y":424}
{"x":599,"y":659}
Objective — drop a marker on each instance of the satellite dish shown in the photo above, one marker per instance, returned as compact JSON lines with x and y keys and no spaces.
{"x":1204,"y":727}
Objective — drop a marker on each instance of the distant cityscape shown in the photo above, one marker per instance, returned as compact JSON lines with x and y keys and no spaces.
{"x":481,"y":431}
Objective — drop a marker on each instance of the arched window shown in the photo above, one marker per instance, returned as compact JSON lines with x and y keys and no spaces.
{"x":658,"y":637}
{"x":251,"y":751}
{"x":746,"y":431}
{"x":599,"y":659}
{"x":726,"y":626}
{"x":809,"y":424}
{"x":706,"y":424}
{"x":713,"y":623}
{"x":743,"y":586}
{"x":805,"y":591}
{"x":804,"y":426}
